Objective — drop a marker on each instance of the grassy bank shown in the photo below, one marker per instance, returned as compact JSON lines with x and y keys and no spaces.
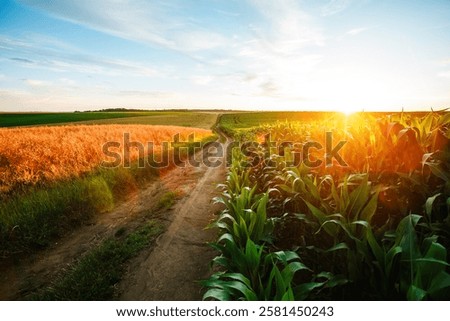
{"x":31,"y":219}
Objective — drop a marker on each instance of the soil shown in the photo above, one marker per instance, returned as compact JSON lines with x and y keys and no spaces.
{"x":168,"y":270}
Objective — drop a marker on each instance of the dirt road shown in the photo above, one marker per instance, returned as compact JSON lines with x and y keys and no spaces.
{"x":168,"y":270}
{"x":181,"y":257}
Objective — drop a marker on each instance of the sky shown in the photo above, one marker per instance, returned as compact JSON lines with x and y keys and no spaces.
{"x":344,"y":55}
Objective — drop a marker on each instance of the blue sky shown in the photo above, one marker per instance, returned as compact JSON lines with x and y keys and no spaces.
{"x":242,"y":54}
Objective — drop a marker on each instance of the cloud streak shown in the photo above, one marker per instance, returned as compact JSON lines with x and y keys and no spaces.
{"x":60,"y":60}
{"x":356,"y":31}
{"x":151,"y":22}
{"x":334,"y":7}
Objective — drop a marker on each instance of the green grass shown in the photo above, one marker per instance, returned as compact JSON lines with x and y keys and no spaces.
{"x":175,"y":118}
{"x":166,"y":201}
{"x":32,"y":218}
{"x":95,"y":275}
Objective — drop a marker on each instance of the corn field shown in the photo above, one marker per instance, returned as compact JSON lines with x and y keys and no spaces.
{"x":376,"y":228}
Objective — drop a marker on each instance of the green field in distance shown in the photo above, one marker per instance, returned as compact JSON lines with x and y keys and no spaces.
{"x":175,"y":118}
{"x":253,"y":119}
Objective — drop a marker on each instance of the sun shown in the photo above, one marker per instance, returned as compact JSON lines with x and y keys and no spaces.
{"x":348,"y":110}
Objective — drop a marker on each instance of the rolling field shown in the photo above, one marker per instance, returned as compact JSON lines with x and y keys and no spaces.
{"x":242,"y":120}
{"x":174,"y":118}
{"x":31,"y":119}
{"x":203,"y":120}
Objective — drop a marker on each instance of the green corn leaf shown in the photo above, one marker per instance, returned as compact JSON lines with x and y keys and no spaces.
{"x":322,"y":218}
{"x":285,"y":188}
{"x":312,"y":188}
{"x":358,"y":198}
{"x":261,"y":217}
{"x":242,"y":289}
{"x":332,"y":280}
{"x":226,"y":237}
{"x":288,"y":295}
{"x":283,"y":256}
{"x":437,"y":171}
{"x":370,"y":209}
{"x":253,"y":254}
{"x":440,"y":286}
{"x":238,"y":277}
{"x":221,"y":261}
{"x":429,"y":205}
{"x":302,"y":291}
{"x":392,"y":260}
{"x":338,"y":247}
{"x":336,"y":198}
{"x":433,"y":261}
{"x":288,"y":272}
{"x":217,"y":294}
{"x":416,"y":294}
{"x":280,"y":283}
{"x":407,"y":238}
{"x":375,"y":247}
{"x":298,"y":185}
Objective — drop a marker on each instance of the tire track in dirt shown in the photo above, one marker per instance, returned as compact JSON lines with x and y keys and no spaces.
{"x":181,"y":258}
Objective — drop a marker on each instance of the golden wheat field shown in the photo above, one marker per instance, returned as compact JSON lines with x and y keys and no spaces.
{"x":43,"y":154}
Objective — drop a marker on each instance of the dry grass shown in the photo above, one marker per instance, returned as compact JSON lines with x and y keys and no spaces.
{"x":43,"y":154}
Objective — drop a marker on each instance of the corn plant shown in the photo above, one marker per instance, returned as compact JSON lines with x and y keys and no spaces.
{"x":256,"y":274}
{"x":246,"y":223}
{"x":415,"y":269}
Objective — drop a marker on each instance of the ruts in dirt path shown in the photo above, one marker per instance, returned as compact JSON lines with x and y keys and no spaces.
{"x":181,"y":258}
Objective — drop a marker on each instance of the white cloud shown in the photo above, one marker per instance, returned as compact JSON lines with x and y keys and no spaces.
{"x":277,"y":60}
{"x":290,"y":26}
{"x":202,"y":80}
{"x":227,"y":13}
{"x":356,"y":31}
{"x":445,"y":62}
{"x":36,"y":83}
{"x":143,"y":93}
{"x":67,"y":82}
{"x":334,"y":7}
{"x":444,"y":74}
{"x":199,"y":40}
